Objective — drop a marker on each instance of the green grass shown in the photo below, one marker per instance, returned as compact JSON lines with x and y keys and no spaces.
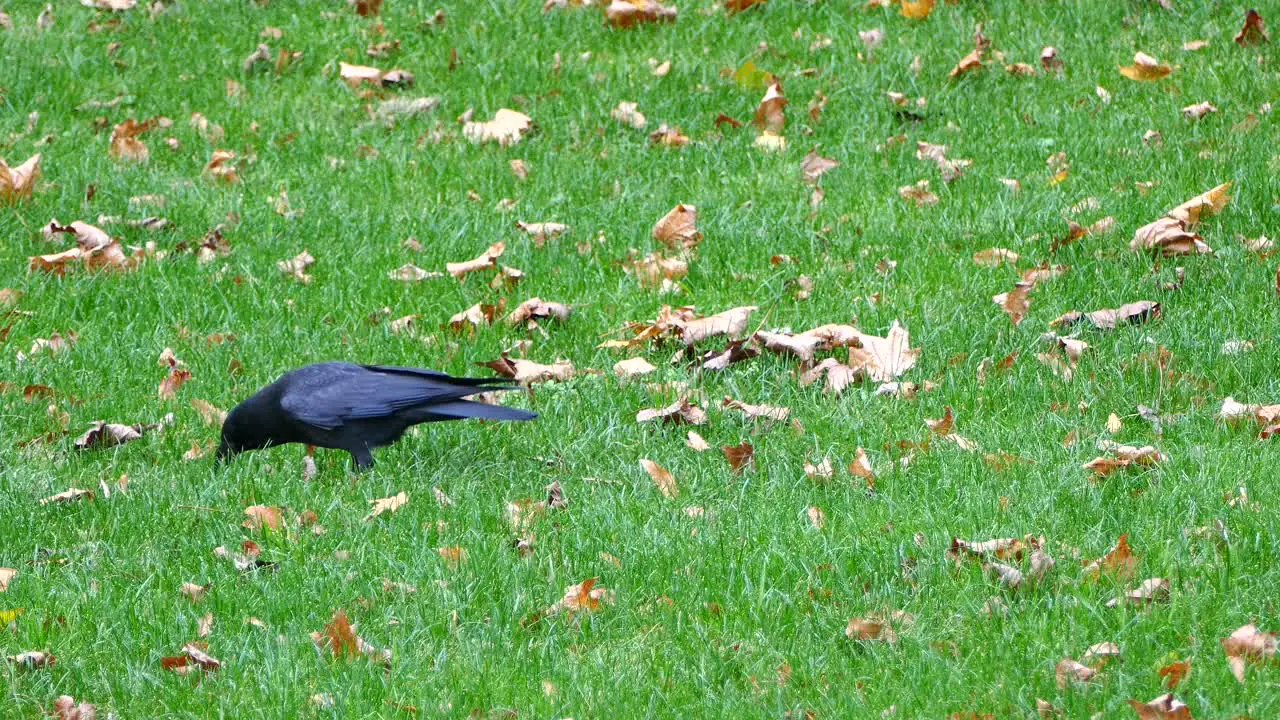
{"x":706,"y":609}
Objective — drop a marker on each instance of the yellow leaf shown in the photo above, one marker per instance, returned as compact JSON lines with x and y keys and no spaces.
{"x":917,"y":9}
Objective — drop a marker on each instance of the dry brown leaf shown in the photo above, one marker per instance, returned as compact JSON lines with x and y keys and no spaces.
{"x":860,"y":467}
{"x":6,"y":575}
{"x":769,"y":116}
{"x":485,"y":261}
{"x":814,"y":166}
{"x":32,"y":659}
{"x":628,"y":13}
{"x":817,"y":518}
{"x":540,"y":232}
{"x":678,"y":229}
{"x":696,"y":443}
{"x":473,"y":317}
{"x":995,"y":257}
{"x":661,"y":478}
{"x":387,"y":505}
{"x":918,"y":193}
{"x":1247,"y":644}
{"x":221,"y":168}
{"x":65,"y":707}
{"x":669,"y":136}
{"x":1134,"y":313}
{"x":883,"y":359}
{"x":67,"y":496}
{"x":1165,"y":707}
{"x":1145,"y":68}
{"x":296,"y":266}
{"x":1253,"y":32}
{"x":355,"y":75}
{"x":937,"y":154}
{"x":125,"y":144}
{"x":729,"y":322}
{"x":633,"y":367}
{"x":193,"y":658}
{"x":1049,"y":59}
{"x":105,"y":435}
{"x":679,"y":412}
{"x":820,"y":472}
{"x":1198,"y":110}
{"x":740,"y":457}
{"x":628,"y":114}
{"x":534,"y":309}
{"x":872,"y":628}
{"x":1069,"y":671}
{"x":17,"y":183}
{"x":258,"y":517}
{"x":1014,"y":302}
{"x":766,"y":412}
{"x":1122,"y":456}
{"x":583,"y":596}
{"x":528,"y":371}
{"x":1149,"y":591}
{"x":1119,"y":562}
{"x":1099,"y":654}
{"x":193,"y":592}
{"x":733,"y":7}
{"x":998,"y":549}
{"x":506,"y":128}
{"x":968,"y":63}
{"x":341,"y":641}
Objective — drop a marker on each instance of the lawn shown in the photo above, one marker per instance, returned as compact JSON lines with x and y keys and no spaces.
{"x":772,"y":590}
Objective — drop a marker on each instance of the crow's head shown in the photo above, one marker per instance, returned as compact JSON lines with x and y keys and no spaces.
{"x":239,"y":433}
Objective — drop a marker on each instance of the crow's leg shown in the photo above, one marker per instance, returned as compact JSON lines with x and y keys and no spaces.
{"x":361,"y":458}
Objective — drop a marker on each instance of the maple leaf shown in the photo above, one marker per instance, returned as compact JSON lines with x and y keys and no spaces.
{"x":485,"y":261}
{"x":506,"y":128}
{"x":125,"y":144}
{"x":387,"y":505}
{"x":1174,"y":672}
{"x":740,"y":457}
{"x":534,"y":309}
{"x":860,"y":467}
{"x":1253,"y":32}
{"x":1247,"y":644}
{"x":814,"y":166}
{"x":657,"y":271}
{"x":729,"y":322}
{"x":193,"y":658}
{"x":883,"y":359}
{"x":918,"y":193}
{"x":663,"y":479}
{"x":769,"y":115}
{"x":1119,"y":562}
{"x":678,"y":229}
{"x":679,"y":412}
{"x":474,"y":316}
{"x":1145,"y":68}
{"x":221,"y":168}
{"x":629,"y":13}
{"x":1014,"y":302}
{"x":1165,"y":707}
{"x":937,"y":154}
{"x":16,"y":183}
{"x":341,"y":641}
{"x":1122,"y":456}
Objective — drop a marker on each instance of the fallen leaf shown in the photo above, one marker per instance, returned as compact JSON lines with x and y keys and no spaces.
{"x":355,"y":75}
{"x":628,"y":13}
{"x":1149,"y":591}
{"x":814,"y":166}
{"x":296,"y":266}
{"x":740,"y":457}
{"x":668,"y":136}
{"x":633,"y":367}
{"x":1198,"y":110}
{"x":917,"y":9}
{"x":681,"y":411}
{"x":870,"y":629}
{"x":767,"y":412}
{"x":341,"y":641}
{"x":1247,"y":644}
{"x":883,"y":359}
{"x":1165,"y":707}
{"x":769,"y":115}
{"x":1015,"y":302}
{"x":918,"y":193}
{"x":817,"y":518}
{"x":387,"y":505}
{"x":529,"y":312}
{"x":661,"y":478}
{"x":528,"y":371}
{"x":17,"y":183}
{"x":506,"y":128}
{"x":1121,"y":456}
{"x":258,"y":517}
{"x":1068,"y":671}
{"x":540,"y":232}
{"x":820,"y":472}
{"x":125,"y":145}
{"x":1145,"y":68}
{"x":105,"y":435}
{"x":1134,"y":313}
{"x":1253,"y":32}
{"x":628,"y":114}
{"x":694,"y":442}
{"x":6,"y":575}
{"x":729,"y":322}
{"x":678,"y":229}
{"x":65,"y":707}
{"x":1174,"y":673}
{"x":193,"y":592}
{"x":581,"y":597}
{"x":32,"y":660}
{"x":221,"y":168}
{"x":1099,"y":654}
{"x":193,"y":658}
{"x":995,"y":257}
{"x":732,"y":7}
{"x":486,"y":261}
{"x":1119,"y":562}
{"x":998,"y":549}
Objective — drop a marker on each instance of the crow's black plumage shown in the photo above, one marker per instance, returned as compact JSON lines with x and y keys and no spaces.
{"x":354,"y":408}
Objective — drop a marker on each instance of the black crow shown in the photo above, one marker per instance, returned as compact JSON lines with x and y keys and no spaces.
{"x":354,"y":408}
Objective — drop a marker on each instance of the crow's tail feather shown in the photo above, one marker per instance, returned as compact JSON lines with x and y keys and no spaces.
{"x":484,"y":411}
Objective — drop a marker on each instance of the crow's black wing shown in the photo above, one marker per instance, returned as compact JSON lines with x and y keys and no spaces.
{"x":436,"y":375}
{"x":329,"y":395}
